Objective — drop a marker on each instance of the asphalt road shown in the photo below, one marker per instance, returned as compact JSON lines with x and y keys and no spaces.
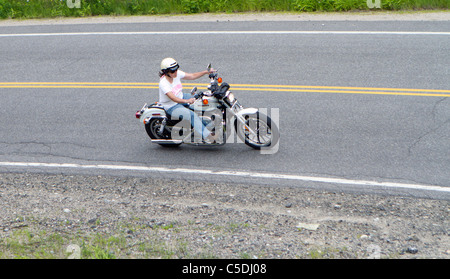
{"x":371,"y":137}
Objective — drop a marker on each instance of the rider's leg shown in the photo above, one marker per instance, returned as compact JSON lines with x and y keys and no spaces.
{"x":181,"y":112}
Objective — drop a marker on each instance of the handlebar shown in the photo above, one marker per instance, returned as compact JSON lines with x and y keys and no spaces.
{"x":213,"y":87}
{"x":213,"y":75}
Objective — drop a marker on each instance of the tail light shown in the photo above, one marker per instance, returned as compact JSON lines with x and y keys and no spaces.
{"x":138,"y":114}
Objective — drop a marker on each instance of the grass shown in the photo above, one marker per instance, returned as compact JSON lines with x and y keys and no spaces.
{"x":25,"y":243}
{"x":25,"y":9}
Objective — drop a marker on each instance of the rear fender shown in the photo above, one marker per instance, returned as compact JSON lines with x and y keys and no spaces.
{"x":152,"y":112}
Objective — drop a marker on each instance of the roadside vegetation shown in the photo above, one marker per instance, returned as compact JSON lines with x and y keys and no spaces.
{"x":24,"y":9}
{"x":28,"y":243}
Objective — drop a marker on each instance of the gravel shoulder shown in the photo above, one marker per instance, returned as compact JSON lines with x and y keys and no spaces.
{"x":431,"y":15}
{"x":130,"y":217}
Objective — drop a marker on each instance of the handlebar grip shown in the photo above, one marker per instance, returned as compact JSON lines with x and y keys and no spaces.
{"x":212,"y":75}
{"x":198,"y":95}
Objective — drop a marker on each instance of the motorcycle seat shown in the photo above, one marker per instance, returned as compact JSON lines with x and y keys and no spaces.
{"x":160,"y":106}
{"x":155,"y":105}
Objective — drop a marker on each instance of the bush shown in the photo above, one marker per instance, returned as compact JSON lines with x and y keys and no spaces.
{"x":58,"y":8}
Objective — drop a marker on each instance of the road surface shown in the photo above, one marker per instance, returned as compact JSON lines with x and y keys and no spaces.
{"x":363,"y":106}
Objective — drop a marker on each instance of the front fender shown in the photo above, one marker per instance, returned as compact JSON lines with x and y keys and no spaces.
{"x":239,"y":117}
{"x":247,"y":111}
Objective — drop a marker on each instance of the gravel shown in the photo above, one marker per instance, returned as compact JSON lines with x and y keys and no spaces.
{"x":180,"y":219}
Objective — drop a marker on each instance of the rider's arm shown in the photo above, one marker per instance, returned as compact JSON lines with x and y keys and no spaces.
{"x":192,"y":76}
{"x":179,"y":100}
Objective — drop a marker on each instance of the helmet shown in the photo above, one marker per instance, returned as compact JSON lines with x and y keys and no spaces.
{"x":169,"y":64}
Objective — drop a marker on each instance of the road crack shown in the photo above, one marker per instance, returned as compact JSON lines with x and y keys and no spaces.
{"x":438,"y":125}
{"x":36,"y":148}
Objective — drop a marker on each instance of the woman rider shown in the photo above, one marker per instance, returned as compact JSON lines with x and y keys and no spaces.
{"x":174,"y":101}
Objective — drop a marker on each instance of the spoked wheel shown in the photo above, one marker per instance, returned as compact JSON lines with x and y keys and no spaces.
{"x":258,"y":131}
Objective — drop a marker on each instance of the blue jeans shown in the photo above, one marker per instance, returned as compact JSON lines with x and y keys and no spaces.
{"x":180,"y":111}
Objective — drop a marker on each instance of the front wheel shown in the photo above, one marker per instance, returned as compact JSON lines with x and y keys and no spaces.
{"x":259,"y":131}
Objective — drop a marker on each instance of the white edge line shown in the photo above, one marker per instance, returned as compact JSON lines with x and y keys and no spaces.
{"x":233,"y":173}
{"x":229,"y":32}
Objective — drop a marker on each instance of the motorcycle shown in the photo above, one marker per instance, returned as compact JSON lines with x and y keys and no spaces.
{"x":219,"y":109}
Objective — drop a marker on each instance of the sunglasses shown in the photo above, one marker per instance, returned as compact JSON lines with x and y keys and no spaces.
{"x":173,"y":70}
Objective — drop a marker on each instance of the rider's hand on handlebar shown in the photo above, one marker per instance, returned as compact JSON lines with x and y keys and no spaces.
{"x":190,"y":101}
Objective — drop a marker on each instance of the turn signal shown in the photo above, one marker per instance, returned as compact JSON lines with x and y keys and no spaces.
{"x":219,"y":80}
{"x":205,"y":101}
{"x":138,"y":114}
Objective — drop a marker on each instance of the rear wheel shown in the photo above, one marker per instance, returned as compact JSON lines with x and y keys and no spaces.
{"x":152,"y":128}
{"x":258,"y":131}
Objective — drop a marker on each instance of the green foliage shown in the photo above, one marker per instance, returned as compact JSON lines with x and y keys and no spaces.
{"x":393,"y":4}
{"x":59,"y":8}
{"x":195,"y":6}
{"x":331,"y":5}
{"x":347,"y":5}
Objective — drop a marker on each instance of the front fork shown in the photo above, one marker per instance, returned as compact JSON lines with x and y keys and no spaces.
{"x":240,"y":116}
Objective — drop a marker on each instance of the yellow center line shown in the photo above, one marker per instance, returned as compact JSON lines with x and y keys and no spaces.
{"x":76,"y":86}
{"x":342,"y":87}
{"x":242,"y":87}
{"x":349,"y":92}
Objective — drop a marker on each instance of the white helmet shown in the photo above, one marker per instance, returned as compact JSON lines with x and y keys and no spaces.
{"x":169,"y":64}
